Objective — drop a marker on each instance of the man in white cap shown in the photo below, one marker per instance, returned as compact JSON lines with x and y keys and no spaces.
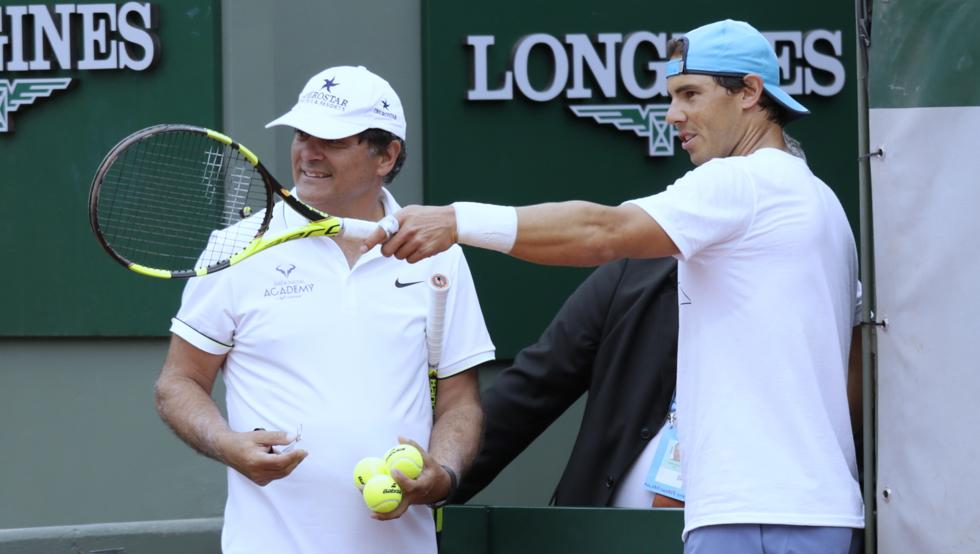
{"x":768,"y":299}
{"x":323,"y":353}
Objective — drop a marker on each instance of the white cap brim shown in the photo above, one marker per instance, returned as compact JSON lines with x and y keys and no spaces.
{"x":316,"y":125}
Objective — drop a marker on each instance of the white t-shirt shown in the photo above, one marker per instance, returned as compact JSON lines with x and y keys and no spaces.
{"x":631,"y":492}
{"x":768,"y":294}
{"x":340,"y":351}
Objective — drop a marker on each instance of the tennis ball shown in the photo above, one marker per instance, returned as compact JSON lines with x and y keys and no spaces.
{"x":382,"y":494}
{"x":406,"y":459}
{"x":368,"y":468}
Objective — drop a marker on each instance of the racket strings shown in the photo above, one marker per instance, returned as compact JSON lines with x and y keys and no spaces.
{"x":178,"y":200}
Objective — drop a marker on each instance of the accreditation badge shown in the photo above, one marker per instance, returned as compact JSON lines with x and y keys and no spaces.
{"x":664,"y":475}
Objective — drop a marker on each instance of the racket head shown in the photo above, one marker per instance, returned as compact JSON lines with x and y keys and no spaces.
{"x":178,"y":201}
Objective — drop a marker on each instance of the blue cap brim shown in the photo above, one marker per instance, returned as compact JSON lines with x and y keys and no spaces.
{"x":796,"y":110}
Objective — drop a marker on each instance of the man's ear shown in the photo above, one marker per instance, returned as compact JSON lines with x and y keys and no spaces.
{"x":388,"y":157}
{"x":753,"y":90}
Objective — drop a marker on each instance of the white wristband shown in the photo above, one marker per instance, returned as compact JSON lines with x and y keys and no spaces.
{"x":486,"y":225}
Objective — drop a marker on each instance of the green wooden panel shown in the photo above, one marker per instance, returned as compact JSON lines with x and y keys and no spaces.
{"x":57,"y":281}
{"x":924,"y":53}
{"x":565,"y":530}
{"x":465,"y":529}
{"x":521,"y":151}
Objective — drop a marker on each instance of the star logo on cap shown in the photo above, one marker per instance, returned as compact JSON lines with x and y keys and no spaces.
{"x":384,"y":104}
{"x":329,"y":84}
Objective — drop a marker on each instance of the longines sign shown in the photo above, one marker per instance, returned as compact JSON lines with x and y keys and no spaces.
{"x":39,"y":38}
{"x":611,"y":59}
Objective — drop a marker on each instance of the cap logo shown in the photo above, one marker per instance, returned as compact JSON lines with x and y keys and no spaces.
{"x":384,"y":111}
{"x":329,"y":84}
{"x":324,"y":99}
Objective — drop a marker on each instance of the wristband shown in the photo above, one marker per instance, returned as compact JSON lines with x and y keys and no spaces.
{"x":486,"y":225}
{"x":453,"y":485}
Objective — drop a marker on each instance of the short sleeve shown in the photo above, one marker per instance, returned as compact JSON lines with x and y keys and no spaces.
{"x":205,"y":317}
{"x":711,"y":207}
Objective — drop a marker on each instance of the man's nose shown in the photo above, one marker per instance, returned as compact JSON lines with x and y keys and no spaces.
{"x":312,"y":149}
{"x":674,"y":114}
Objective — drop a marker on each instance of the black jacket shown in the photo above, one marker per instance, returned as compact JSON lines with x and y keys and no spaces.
{"x":615,"y":337}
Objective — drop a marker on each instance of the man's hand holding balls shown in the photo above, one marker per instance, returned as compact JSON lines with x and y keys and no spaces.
{"x":407,"y":469}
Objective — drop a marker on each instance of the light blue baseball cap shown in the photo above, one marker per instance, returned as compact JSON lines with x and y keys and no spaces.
{"x":734,"y":48}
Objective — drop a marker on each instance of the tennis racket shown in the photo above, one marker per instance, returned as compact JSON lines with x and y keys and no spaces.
{"x":434,"y":333}
{"x":177,"y":201}
{"x":434,"y":323}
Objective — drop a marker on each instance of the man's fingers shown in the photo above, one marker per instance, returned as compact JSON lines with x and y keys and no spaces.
{"x":397,"y":242}
{"x":375,"y":238}
{"x":406,"y":250}
{"x":293,"y":459}
{"x":408,"y":487}
{"x":272,"y":438}
{"x":394,"y":514}
{"x":403,"y":481}
{"x":425,"y":454}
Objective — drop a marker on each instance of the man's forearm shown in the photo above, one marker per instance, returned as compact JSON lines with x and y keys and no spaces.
{"x":455,"y":438}
{"x":574,"y":233}
{"x":192,"y":414}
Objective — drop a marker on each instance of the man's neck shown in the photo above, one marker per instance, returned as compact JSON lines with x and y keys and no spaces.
{"x":759,"y":135}
{"x":369,"y":207}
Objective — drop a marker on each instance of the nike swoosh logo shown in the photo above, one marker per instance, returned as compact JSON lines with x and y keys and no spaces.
{"x":400,"y":285}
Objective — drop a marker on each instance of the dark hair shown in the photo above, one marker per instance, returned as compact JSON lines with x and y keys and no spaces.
{"x":378,"y":141}
{"x":775,"y":112}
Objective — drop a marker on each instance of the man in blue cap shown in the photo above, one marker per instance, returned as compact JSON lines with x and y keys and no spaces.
{"x":768,"y":298}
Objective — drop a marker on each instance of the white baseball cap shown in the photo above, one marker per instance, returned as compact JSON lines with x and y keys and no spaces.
{"x":343,"y":101}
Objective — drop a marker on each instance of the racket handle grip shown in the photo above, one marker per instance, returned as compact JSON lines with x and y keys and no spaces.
{"x":358,"y":228}
{"x":435,"y":322}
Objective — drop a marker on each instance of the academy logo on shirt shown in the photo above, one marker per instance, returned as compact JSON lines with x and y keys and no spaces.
{"x":285,"y":289}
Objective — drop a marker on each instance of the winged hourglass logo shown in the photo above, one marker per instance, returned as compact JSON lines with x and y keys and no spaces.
{"x":646,"y":121}
{"x":23,"y":92}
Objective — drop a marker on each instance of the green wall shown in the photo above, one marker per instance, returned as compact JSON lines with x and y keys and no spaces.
{"x":58,"y":281}
{"x":522,"y":151}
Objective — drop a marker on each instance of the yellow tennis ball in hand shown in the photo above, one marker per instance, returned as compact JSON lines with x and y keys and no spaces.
{"x":406,"y":459}
{"x":382,"y":494}
{"x":368,"y":468}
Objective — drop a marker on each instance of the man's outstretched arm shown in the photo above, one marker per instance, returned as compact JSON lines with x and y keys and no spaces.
{"x":574,"y":233}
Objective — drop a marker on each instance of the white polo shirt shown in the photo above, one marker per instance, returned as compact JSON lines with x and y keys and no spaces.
{"x":340,"y":351}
